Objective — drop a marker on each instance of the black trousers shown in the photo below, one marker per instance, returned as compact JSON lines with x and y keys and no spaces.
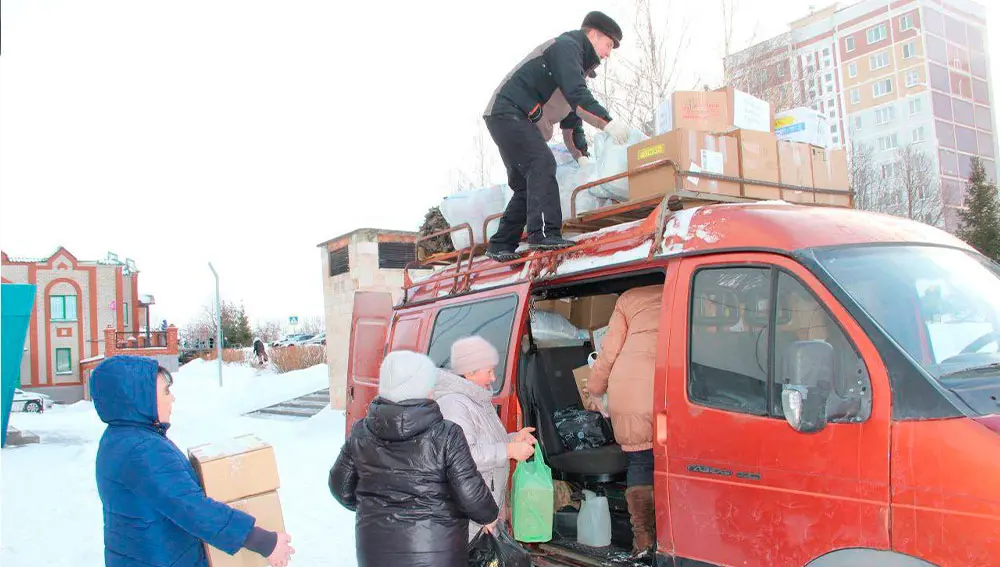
{"x":640,"y":468}
{"x":531,"y":174}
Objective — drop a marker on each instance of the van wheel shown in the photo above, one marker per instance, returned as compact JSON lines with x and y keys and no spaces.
{"x":33,"y":407}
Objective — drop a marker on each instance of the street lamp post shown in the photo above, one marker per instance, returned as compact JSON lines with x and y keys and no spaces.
{"x":218,"y":322}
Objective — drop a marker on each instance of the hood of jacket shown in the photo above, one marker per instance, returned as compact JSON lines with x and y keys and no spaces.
{"x":591,"y":60}
{"x":123,"y":389}
{"x":451,"y":383}
{"x":392,"y":421}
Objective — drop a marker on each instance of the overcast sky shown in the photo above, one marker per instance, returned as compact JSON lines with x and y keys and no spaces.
{"x":246,"y":132}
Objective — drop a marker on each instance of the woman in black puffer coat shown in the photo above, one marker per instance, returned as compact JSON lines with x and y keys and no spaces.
{"x":409,"y":475}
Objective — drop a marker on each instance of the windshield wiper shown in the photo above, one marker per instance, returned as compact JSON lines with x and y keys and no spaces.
{"x":971,"y":370}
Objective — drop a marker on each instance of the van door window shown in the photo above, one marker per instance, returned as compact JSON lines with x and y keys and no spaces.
{"x":492,"y":319}
{"x":737,"y":362}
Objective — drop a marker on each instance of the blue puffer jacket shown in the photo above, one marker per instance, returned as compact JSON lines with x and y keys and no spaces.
{"x":155,"y":512}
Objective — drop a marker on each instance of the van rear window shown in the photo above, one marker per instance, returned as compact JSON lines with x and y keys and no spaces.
{"x":492,"y":319}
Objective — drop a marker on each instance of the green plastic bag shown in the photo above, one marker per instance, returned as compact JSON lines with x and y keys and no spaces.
{"x":533,"y":500}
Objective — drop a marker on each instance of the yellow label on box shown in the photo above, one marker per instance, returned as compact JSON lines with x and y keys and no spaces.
{"x":785,"y":121}
{"x":652,"y":151}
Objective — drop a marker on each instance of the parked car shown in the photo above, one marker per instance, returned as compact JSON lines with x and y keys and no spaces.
{"x":292,"y":340}
{"x":319,"y":339}
{"x":30,"y":402}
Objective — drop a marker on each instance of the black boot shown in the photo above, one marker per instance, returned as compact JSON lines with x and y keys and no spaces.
{"x":501,"y":253}
{"x":550,"y":243}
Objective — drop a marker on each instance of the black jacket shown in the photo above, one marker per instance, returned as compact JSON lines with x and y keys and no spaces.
{"x":549,"y":87}
{"x":411,"y":479}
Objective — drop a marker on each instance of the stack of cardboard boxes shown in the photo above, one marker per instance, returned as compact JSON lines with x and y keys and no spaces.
{"x":732,"y":134}
{"x":243,"y":473}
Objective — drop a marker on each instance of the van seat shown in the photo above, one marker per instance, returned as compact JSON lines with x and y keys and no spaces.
{"x":547,"y":385}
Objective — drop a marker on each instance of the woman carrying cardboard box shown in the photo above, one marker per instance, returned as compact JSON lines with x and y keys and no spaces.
{"x":155,"y":511}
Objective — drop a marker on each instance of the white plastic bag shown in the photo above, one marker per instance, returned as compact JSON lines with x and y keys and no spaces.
{"x":546,"y":327}
{"x":570,"y":176}
{"x":474,"y":207}
{"x":612,"y":159}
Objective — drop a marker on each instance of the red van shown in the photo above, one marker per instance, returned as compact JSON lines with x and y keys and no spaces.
{"x":827,"y":382}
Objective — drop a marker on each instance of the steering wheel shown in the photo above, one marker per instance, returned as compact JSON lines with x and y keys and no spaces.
{"x":978,"y":344}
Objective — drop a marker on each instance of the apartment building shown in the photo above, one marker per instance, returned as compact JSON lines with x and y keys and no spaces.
{"x":889,"y":73}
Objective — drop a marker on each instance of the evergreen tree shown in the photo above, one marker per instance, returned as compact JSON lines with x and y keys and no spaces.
{"x":980,"y":226}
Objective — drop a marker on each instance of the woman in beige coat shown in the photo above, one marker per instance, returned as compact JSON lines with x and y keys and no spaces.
{"x":624,"y":370}
{"x":466,"y":399}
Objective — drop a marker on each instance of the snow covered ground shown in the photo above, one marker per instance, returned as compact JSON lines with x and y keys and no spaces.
{"x":51,"y":514}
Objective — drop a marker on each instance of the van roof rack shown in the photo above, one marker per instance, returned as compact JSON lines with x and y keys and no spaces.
{"x":459,"y":264}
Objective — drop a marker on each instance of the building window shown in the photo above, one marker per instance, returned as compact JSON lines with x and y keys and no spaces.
{"x":852,"y":70}
{"x":833,"y":113}
{"x":836,"y":140}
{"x":858,"y":123}
{"x":396,"y":255}
{"x":916,"y":105}
{"x":882,"y":88}
{"x":906,"y":22}
{"x":912,"y":78}
{"x":885,"y":115}
{"x":339,"y":261}
{"x":62,"y":307}
{"x":826,"y":52}
{"x":855,"y":96}
{"x":829,"y":77}
{"x":877,"y":34}
{"x":910,"y":50}
{"x":833,"y":129}
{"x":849,"y":44}
{"x":491,"y":319}
{"x":919,"y":135}
{"x":886,"y":143}
{"x":879,"y":61}
{"x":887,"y":170}
{"x":125,"y":313}
{"x":64,"y":361}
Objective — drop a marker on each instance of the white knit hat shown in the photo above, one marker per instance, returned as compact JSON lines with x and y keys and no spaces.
{"x":406,"y":375}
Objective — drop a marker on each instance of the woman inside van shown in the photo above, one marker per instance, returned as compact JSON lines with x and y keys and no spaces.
{"x":466,"y":398}
{"x":624,"y":370}
{"x":409,"y":475}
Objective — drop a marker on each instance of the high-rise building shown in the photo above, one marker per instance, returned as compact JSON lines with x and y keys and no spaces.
{"x":889,"y":74}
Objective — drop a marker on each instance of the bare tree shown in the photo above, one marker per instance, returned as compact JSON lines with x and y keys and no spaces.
{"x":483,"y":160}
{"x":770,"y":70}
{"x":312,"y":325}
{"x":917,"y":180}
{"x":632,"y":87}
{"x":906,"y":186}
{"x":268,"y":331}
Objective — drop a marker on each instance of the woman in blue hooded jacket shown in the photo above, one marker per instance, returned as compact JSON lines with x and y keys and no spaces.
{"x":155,"y":511}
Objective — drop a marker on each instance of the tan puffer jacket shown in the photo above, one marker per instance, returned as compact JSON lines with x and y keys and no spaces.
{"x":625,"y":365}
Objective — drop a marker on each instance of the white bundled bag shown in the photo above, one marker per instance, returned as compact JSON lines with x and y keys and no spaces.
{"x":474,"y":207}
{"x":612,"y":159}
{"x":570,"y":176}
{"x":552,"y":327}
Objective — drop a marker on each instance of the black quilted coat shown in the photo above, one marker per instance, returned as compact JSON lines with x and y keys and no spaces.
{"x":411,"y":479}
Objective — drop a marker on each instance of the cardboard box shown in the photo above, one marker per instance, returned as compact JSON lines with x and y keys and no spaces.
{"x":581,"y":375}
{"x":563,"y":307}
{"x":266,"y":508}
{"x":238,"y":468}
{"x":691,"y":150}
{"x":830,"y":172}
{"x":758,"y":153}
{"x":795,"y":167}
{"x":707,"y":111}
{"x":747,"y":112}
{"x":803,"y":125}
{"x":593,"y":312}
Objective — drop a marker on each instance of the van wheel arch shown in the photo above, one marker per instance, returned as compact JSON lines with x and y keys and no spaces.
{"x":860,"y":556}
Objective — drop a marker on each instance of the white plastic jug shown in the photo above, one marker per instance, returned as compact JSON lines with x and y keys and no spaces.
{"x":593,"y":523}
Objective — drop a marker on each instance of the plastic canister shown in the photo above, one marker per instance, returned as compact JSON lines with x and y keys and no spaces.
{"x":593,"y":523}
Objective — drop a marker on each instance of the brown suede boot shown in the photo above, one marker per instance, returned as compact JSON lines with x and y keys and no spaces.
{"x":643,"y":515}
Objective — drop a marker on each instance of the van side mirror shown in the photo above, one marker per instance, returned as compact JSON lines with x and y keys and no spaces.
{"x":808,"y":371}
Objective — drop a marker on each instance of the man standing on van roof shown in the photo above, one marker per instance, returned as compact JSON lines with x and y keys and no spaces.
{"x":546,"y":88}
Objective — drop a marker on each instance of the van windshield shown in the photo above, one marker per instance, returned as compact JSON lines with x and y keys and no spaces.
{"x":941,"y":305}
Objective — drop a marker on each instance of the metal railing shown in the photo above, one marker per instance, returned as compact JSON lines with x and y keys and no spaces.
{"x":140,"y":339}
